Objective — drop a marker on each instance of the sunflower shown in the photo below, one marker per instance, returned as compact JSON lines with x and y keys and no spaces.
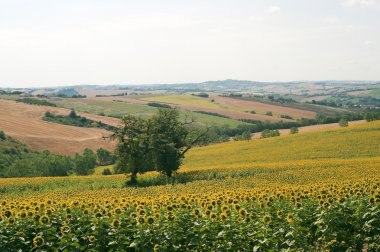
{"x":326,"y":204}
{"x":171,"y":217}
{"x":23,"y":214}
{"x":156,"y":248}
{"x":289,"y":218}
{"x":115,"y":223}
{"x":8,"y":213}
{"x":38,"y":242}
{"x":213,"y":215}
{"x":267,"y":219}
{"x":141,"y":220}
{"x":91,"y":238}
{"x":10,"y":220}
{"x":280,"y":214}
{"x":223,"y":216}
{"x":242,"y":213}
{"x":44,"y":219}
{"x":65,"y":230}
{"x":150,"y":220}
{"x":196,"y":212}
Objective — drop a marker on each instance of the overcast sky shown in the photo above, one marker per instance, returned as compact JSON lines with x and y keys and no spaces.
{"x":51,"y":42}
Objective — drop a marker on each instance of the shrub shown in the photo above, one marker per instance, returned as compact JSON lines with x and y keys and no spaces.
{"x":343,"y":123}
{"x":269,"y":133}
{"x":158,"y":105}
{"x":106,"y":171}
{"x":293,"y":130}
{"x":2,"y":135}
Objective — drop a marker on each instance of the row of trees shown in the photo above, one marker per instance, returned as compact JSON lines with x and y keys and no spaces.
{"x":74,"y":119}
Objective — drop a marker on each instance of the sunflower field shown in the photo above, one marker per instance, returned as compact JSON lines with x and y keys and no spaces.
{"x":310,"y":192}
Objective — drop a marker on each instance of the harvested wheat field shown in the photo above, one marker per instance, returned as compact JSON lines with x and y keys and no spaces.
{"x":24,"y":122}
{"x":312,"y":128}
{"x":263,"y":107}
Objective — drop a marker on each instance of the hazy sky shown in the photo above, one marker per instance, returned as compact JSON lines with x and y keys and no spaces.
{"x":66,"y":42}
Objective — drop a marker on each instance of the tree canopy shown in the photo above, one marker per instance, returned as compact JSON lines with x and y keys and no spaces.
{"x":159,"y":143}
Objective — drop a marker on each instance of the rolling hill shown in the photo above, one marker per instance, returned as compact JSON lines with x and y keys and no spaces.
{"x":24,"y":122}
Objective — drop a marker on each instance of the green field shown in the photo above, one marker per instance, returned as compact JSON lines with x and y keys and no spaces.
{"x":118,"y":109}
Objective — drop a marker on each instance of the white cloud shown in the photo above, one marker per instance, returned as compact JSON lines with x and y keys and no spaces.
{"x":330,"y":20}
{"x":360,"y":3}
{"x":368,"y":43}
{"x":256,"y":18}
{"x":274,"y":9}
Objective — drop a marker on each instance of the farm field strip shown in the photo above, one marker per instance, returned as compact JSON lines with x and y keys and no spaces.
{"x":24,"y":122}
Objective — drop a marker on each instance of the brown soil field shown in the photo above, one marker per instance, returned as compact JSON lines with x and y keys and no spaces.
{"x":263,"y":107}
{"x":312,"y":128}
{"x":24,"y":123}
{"x":360,"y":93}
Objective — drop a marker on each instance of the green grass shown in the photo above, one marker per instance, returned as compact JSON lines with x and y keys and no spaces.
{"x":99,"y":170}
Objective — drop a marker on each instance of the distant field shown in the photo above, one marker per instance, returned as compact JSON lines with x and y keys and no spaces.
{"x":24,"y":122}
{"x":94,"y":92}
{"x":315,"y":98}
{"x":317,"y":109}
{"x":376,"y":93}
{"x":312,"y":128}
{"x":119,"y":106}
{"x":195,"y":103}
{"x":264,"y":107}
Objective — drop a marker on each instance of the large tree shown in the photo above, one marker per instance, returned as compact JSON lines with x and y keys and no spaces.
{"x":159,"y":143}
{"x":133,"y":149}
{"x":170,"y":139}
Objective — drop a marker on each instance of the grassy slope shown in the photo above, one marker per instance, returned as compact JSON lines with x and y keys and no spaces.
{"x":352,"y":142}
{"x":111,"y":108}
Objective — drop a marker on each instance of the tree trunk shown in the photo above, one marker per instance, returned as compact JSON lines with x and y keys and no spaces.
{"x":169,"y":174}
{"x":133,"y":178}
